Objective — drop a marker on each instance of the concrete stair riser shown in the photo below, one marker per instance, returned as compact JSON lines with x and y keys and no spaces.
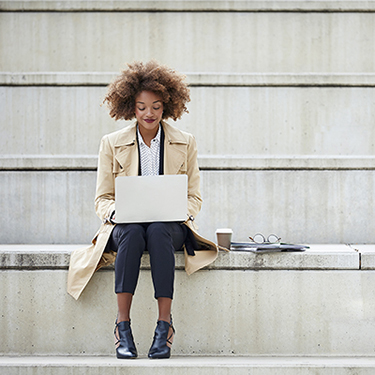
{"x":216,"y":312}
{"x":299,"y":206}
{"x":271,"y":120}
{"x":247,"y":42}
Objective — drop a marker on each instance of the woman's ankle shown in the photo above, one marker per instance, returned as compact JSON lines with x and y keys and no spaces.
{"x":123,"y":318}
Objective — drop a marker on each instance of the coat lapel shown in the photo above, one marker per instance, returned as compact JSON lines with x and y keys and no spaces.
{"x":175,"y":151}
{"x":126,"y":153}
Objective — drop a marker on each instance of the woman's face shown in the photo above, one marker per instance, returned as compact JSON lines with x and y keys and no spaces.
{"x":148,"y":111}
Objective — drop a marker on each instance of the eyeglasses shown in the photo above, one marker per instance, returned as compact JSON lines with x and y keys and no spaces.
{"x":260,"y":239}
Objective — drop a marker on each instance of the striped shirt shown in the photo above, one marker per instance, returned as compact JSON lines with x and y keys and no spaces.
{"x":150,"y":156}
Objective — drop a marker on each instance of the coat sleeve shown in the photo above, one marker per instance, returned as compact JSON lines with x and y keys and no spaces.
{"x":105,"y":184}
{"x":194,"y":194}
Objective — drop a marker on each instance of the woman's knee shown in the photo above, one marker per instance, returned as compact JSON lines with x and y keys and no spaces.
{"x":129,"y":236}
{"x":159,"y":235}
{"x":158,"y":228}
{"x":166,"y":235}
{"x":128,"y":230}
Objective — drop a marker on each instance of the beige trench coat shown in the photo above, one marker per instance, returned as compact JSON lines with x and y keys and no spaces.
{"x":118,"y":156}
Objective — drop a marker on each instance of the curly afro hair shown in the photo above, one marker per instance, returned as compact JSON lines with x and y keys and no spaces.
{"x":150,"y":76}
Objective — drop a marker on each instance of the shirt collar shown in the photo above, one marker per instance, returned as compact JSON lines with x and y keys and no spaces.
{"x":156,"y":138}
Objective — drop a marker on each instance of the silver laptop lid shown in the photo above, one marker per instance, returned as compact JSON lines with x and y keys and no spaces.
{"x":144,"y":199}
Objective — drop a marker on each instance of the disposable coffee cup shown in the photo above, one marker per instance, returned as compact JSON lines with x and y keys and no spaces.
{"x":224,"y":237}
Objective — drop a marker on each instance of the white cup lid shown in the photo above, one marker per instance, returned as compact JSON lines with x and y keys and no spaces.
{"x":224,"y":230}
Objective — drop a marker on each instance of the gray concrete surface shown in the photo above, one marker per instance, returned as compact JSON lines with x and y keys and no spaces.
{"x":299,"y":206}
{"x":206,"y":162}
{"x":288,"y":105}
{"x":192,"y":365}
{"x":263,"y":121}
{"x":247,"y":41}
{"x":262,"y":79}
{"x":216,"y":312}
{"x":283,"y":121}
{"x":316,"y":257}
{"x":191,"y":5}
{"x":282,"y":109}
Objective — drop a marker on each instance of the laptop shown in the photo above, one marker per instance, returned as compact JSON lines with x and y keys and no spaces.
{"x":146,"y":199}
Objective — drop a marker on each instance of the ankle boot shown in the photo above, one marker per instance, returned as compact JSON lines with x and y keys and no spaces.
{"x":126,"y":348}
{"x":159,"y":347}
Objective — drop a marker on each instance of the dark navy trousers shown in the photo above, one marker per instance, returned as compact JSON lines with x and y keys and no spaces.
{"x":161,"y":240}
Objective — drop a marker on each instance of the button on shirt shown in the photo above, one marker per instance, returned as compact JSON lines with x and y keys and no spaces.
{"x":150,"y":156}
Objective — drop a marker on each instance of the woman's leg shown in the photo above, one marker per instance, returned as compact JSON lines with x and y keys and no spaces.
{"x":162,"y":241}
{"x":164,"y":306}
{"x":124,"y":303}
{"x":128,"y":240}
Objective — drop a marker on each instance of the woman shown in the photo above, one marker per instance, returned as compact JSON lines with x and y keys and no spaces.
{"x":151,"y":93}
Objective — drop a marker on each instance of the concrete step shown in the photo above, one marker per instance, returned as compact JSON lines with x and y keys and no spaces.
{"x":315,"y":206}
{"x":284,"y":120}
{"x":316,"y":303}
{"x":314,"y":40}
{"x":190,"y":6}
{"x":188,"y":365}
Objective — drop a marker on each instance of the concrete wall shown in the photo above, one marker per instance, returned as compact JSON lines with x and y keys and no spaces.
{"x":316,"y":303}
{"x":299,"y":206}
{"x":225,"y":120}
{"x":282,"y":108}
{"x":189,"y":41}
{"x":309,"y":319}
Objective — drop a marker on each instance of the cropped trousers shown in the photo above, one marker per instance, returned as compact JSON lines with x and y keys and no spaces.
{"x":161,"y":240}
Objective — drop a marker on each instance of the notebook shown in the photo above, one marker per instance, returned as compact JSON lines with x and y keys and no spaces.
{"x":145,"y":199}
